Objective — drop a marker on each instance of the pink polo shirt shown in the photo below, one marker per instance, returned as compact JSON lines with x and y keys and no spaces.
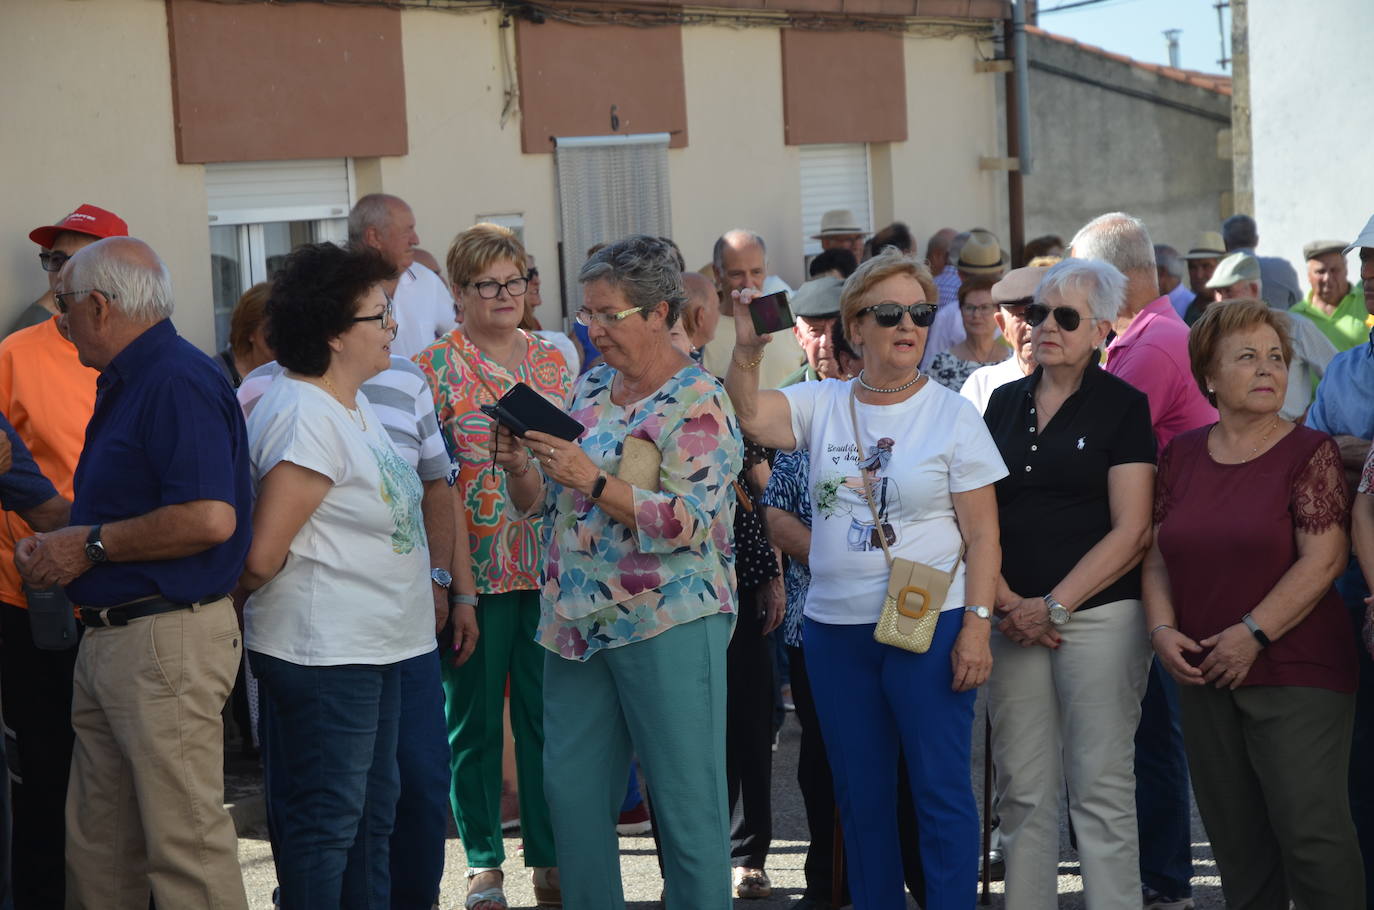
{"x":1152,"y":355}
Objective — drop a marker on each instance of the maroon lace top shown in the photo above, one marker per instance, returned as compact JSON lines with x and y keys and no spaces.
{"x":1227,"y":534}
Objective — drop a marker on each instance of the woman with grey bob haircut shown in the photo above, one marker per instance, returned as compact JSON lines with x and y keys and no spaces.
{"x":638,"y":599}
{"x":1101,"y":284}
{"x":645,"y":269}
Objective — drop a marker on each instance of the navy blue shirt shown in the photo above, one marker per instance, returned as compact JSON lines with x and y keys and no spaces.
{"x":166,"y":430}
{"x":23,"y":486}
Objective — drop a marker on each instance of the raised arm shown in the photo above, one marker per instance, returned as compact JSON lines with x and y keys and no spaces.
{"x":764,"y":415}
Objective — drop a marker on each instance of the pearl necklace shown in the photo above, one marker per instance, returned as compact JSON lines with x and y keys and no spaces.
{"x":901,"y":388}
{"x":1253,"y":452}
{"x":351,"y":411}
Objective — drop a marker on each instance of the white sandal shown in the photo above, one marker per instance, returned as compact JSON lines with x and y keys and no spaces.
{"x":495,"y":896}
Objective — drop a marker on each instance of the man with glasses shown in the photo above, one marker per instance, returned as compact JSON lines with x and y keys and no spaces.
{"x":48,"y":397}
{"x":1011,"y":295}
{"x":424,"y":306}
{"x":1150,"y":352}
{"x":160,"y":528}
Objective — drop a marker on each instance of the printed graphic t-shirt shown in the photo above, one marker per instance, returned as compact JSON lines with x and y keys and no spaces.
{"x":918,"y":453}
{"x":355,"y":587}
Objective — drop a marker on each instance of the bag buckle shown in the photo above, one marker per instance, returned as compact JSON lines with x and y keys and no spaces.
{"x":918,"y":591}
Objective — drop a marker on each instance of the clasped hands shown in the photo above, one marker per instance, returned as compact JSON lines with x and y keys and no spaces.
{"x":1234,"y":650}
{"x":53,"y":558}
{"x":1026,"y":621}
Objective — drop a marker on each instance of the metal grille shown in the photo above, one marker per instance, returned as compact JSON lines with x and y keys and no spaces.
{"x":608,"y":187}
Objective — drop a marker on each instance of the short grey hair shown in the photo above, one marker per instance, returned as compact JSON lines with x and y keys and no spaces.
{"x":1239,"y":231}
{"x":1101,"y":281}
{"x":643,"y":268}
{"x":732,"y":238}
{"x":1168,"y":259}
{"x":371,"y":211}
{"x":1118,"y":238}
{"x":126,"y":270}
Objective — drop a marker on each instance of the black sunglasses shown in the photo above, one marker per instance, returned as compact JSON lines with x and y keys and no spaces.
{"x":52,"y":261}
{"x":889,"y":314}
{"x":1066,"y":316}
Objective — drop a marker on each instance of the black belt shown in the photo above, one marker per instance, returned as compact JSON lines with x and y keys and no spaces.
{"x":100,"y":617}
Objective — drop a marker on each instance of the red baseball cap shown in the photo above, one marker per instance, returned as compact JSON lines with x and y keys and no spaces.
{"x":88,"y":219}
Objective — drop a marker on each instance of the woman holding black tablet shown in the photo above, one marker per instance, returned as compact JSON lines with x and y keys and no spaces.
{"x":638,"y":598}
{"x":472,"y":366}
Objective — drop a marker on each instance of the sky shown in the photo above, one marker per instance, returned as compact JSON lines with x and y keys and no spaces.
{"x":1135,"y":28}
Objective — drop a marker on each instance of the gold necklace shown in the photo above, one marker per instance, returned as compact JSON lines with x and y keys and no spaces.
{"x":1253,"y":452}
{"x":351,"y":411}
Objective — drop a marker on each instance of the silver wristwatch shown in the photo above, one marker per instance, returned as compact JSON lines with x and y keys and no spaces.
{"x":441,"y":577}
{"x":1059,"y":614}
{"x":980,"y":612}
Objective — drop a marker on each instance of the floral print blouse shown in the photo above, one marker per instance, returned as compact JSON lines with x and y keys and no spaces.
{"x":505,"y":550}
{"x":606,"y":585}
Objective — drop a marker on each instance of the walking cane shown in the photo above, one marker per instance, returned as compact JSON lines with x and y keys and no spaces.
{"x":837,"y":865}
{"x":987,"y":812}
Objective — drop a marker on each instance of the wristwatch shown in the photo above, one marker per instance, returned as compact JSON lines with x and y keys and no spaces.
{"x":441,"y":577}
{"x":980,"y":612}
{"x":95,"y":548}
{"x":469,"y":600}
{"x":1059,"y":614}
{"x":1255,"y":630}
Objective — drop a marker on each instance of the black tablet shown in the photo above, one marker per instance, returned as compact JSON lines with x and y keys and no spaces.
{"x":523,"y":409}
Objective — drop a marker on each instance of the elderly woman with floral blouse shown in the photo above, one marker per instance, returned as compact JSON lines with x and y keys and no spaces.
{"x":638,"y":596}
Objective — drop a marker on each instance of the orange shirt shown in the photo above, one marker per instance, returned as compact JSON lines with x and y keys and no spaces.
{"x":48,"y":396}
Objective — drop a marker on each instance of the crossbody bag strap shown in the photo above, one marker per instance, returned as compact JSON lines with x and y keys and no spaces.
{"x":863,"y":478}
{"x":868,"y":494}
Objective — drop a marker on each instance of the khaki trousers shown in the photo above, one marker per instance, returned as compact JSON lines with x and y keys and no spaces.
{"x":1070,"y":714}
{"x":145,"y":804}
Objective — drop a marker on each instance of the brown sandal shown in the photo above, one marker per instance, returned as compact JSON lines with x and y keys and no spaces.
{"x":547,"y":893}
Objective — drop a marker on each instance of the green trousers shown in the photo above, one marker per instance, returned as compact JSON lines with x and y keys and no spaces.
{"x":663,"y":699}
{"x":474,"y":696}
{"x":1269,"y":766}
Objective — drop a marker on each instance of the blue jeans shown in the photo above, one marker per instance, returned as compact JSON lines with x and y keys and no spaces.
{"x":875,"y":702}
{"x":1353,"y":590}
{"x":417,"y":842}
{"x":1163,"y":814}
{"x":329,"y":755}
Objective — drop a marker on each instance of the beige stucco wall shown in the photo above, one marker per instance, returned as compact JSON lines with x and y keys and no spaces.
{"x":87,"y":115}
{"x":105,"y":136}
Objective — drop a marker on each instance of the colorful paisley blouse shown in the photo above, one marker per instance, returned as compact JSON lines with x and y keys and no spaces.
{"x":505,"y":550}
{"x":606,"y":585}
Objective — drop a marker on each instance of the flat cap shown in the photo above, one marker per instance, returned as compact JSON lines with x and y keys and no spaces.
{"x":1018,"y":284}
{"x":818,"y":298}
{"x":1317,"y":248}
{"x":1234,"y":269}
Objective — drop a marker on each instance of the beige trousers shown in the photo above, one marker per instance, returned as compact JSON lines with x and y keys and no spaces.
{"x":1070,"y":714}
{"x":145,"y":803}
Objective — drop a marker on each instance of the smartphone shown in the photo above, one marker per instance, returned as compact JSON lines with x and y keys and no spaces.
{"x":771,"y":313}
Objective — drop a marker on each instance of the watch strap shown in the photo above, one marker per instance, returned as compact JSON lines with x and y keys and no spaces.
{"x":1255,"y":630}
{"x":600,"y":486}
{"x":469,"y":600}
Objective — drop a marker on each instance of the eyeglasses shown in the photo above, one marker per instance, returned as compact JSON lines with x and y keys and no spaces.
{"x":1066,"y":316}
{"x":587,"y":318}
{"x":981,"y":309}
{"x":490,"y":290}
{"x":889,"y":314}
{"x":52,"y":261}
{"x":385,"y":317}
{"x":60,"y":298}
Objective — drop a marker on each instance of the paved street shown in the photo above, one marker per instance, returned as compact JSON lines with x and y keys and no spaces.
{"x":642,"y":882}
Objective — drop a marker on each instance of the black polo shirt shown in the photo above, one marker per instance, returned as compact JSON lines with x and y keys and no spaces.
{"x":1053,"y":504}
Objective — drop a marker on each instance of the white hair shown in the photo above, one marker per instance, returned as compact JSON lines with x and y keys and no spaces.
{"x":1168,"y":259}
{"x":1101,"y":281}
{"x":1118,"y":238}
{"x":140,"y":287}
{"x":738,"y":238}
{"x":372,"y":211}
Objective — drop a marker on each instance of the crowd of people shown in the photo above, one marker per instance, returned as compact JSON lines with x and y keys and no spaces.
{"x":1126,"y":491}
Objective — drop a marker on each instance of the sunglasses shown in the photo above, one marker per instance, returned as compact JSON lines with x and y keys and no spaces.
{"x":888,"y":315}
{"x":1066,"y":316}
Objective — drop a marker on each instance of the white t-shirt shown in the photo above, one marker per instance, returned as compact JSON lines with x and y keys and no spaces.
{"x":355,"y":588}
{"x":982,"y":382}
{"x":930,"y":446}
{"x":424,"y":311}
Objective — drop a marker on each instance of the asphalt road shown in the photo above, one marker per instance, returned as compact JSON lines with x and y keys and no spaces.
{"x":640,"y":871}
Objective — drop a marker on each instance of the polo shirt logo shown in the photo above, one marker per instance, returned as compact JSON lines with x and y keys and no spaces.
{"x":1081,"y":440}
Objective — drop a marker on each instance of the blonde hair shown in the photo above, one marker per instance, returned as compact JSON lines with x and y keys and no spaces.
{"x":1221,"y":320}
{"x":871,"y":273}
{"x":477,"y":248}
